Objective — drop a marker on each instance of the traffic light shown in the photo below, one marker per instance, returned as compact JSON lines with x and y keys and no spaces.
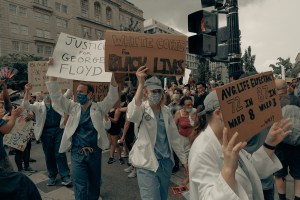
{"x":205,"y":25}
{"x":222,"y":38}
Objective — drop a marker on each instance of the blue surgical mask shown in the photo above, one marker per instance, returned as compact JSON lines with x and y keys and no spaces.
{"x":82,"y":98}
{"x":46,"y":97}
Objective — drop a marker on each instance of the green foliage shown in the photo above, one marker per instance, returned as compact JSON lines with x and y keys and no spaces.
{"x":203,"y":70}
{"x":248,"y":60}
{"x":288,"y":66}
{"x":19,"y":62}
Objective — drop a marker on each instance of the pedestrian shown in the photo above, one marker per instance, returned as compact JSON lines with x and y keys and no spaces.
{"x":114,"y":133}
{"x":84,"y":134}
{"x":220,"y":169}
{"x":157,"y":135}
{"x":48,"y":119}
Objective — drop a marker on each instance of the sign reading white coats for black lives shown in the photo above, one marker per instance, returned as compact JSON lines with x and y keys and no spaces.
{"x":249,"y":105}
{"x":79,"y":59}
{"x":162,"y":54}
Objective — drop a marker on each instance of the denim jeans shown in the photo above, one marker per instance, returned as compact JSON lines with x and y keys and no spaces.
{"x":155,"y":185}
{"x":269,"y":194}
{"x":55,"y":161}
{"x":86,"y":170}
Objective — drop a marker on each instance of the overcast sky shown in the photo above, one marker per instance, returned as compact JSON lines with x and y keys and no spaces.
{"x":270,"y":27}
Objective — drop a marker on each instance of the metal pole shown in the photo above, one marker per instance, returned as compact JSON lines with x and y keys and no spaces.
{"x":234,"y":50}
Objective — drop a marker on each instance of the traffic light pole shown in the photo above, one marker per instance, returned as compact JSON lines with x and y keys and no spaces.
{"x":234,"y":50}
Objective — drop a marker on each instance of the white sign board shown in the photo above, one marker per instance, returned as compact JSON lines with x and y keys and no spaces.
{"x":186,"y":77}
{"x":37,"y":77}
{"x":79,"y":59}
{"x":19,"y":135}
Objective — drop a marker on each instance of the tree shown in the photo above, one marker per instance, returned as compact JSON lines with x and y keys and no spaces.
{"x":288,"y":66}
{"x":19,"y":62}
{"x":248,"y":60}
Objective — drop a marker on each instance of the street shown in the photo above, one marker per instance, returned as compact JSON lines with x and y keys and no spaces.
{"x":115,"y":184}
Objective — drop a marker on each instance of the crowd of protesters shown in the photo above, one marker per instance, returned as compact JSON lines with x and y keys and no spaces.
{"x":160,"y":130}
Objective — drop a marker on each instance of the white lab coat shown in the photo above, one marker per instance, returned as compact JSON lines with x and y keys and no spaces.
{"x":40,"y":112}
{"x":142,"y":153}
{"x":205,"y":165}
{"x":73,"y":109}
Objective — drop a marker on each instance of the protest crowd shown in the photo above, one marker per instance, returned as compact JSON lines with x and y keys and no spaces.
{"x":161,"y":128}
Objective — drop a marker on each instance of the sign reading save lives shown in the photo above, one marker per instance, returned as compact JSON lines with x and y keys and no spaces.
{"x":79,"y":59}
{"x":249,"y":105}
{"x":163,"y":54}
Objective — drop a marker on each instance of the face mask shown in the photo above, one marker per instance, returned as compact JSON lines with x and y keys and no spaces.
{"x":82,"y":99}
{"x":188,"y":110}
{"x":176,"y":96}
{"x":46,"y":97}
{"x":155,"y":98}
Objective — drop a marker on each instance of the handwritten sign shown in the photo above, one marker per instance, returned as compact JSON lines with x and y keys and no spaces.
{"x":186,"y":77}
{"x":37,"y":77}
{"x":19,"y":135}
{"x":249,"y":105}
{"x":100,"y":89}
{"x":163,"y":54}
{"x":79,"y":59}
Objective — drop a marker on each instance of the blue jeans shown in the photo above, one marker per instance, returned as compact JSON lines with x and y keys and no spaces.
{"x":86,"y":170}
{"x":55,"y":161}
{"x":155,"y":185}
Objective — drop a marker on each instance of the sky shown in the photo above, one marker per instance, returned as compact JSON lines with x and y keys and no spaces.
{"x":270,"y":27}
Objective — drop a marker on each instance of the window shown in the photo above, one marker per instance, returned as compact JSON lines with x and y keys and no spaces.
{"x":20,"y":46}
{"x":64,"y":8}
{"x":97,"y":8}
{"x":39,"y":33}
{"x":12,"y":9}
{"x":40,"y":49}
{"x":86,"y":31}
{"x":108,"y":13}
{"x":15,"y":45}
{"x":48,"y":50}
{"x":47,"y":35}
{"x":61,"y":23}
{"x":57,"y":6}
{"x":99,"y":34}
{"x":24,"y":30}
{"x":42,"y":2}
{"x":84,"y":8}
{"x":14,"y":28}
{"x":41,"y":17}
{"x":23,"y":12}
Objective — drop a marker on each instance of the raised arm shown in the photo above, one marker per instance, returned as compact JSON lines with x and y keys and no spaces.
{"x":6,"y":127}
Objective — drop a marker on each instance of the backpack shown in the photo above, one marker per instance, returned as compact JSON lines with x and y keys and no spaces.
{"x":293,"y":112}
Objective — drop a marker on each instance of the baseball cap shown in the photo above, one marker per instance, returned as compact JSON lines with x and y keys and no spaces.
{"x":153,"y":83}
{"x":211,"y":102}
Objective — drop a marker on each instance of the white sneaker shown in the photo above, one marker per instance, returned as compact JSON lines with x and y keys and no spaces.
{"x":128,"y":170}
{"x":132,"y":174}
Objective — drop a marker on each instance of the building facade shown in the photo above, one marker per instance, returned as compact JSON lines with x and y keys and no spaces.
{"x":219,"y":72}
{"x":152,"y":26}
{"x":33,"y":26}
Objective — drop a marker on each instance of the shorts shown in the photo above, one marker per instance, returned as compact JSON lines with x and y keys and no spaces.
{"x":289,"y":158}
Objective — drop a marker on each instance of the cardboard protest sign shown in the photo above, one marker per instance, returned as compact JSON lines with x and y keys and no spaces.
{"x":19,"y":135}
{"x":163,"y":54}
{"x":100,"y":89}
{"x":37,"y":77}
{"x":79,"y":59}
{"x":249,"y":105}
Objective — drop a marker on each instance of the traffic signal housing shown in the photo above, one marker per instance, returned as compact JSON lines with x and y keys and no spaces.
{"x":205,"y":25}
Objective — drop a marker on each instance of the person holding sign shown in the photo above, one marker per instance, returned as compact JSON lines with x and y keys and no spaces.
{"x":220,"y":168}
{"x":48,"y":119}
{"x":157,"y":135}
{"x":85,"y":133}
